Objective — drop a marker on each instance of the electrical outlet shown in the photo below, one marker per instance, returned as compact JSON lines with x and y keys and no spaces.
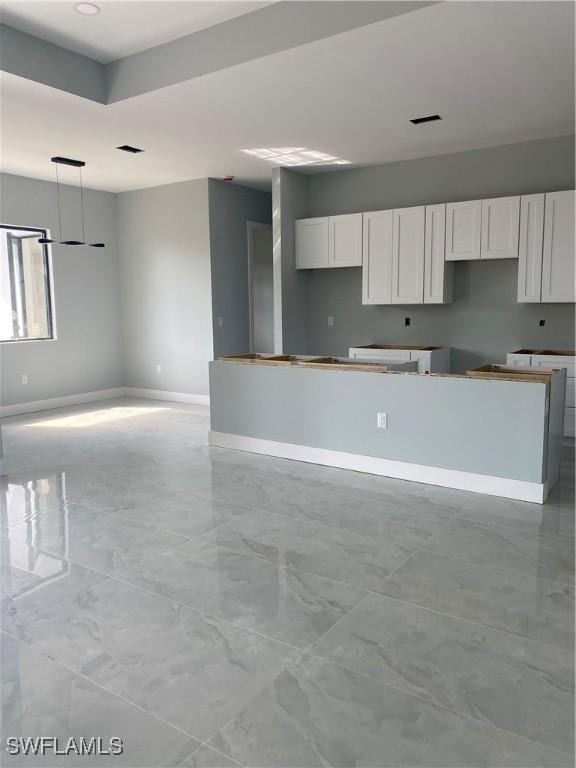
{"x":330,"y":320}
{"x":220,"y":322}
{"x":158,"y":368}
{"x":542,"y":323}
{"x":382,"y":421}
{"x":24,"y":378}
{"x":406,"y":321}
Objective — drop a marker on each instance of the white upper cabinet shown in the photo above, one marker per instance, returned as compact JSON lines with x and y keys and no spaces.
{"x":500,"y":222}
{"x":345,"y":240}
{"x":377,"y":257}
{"x":530,"y":248}
{"x":463,"y":230}
{"x":408,"y":255}
{"x":403,"y":257}
{"x":329,"y":241}
{"x":312,"y":243}
{"x":558,"y":273}
{"x":437,"y":274}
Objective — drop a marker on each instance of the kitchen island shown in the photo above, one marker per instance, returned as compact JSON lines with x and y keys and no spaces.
{"x":493,"y":431}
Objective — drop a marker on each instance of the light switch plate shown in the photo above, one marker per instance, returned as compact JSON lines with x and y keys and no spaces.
{"x":382,"y":421}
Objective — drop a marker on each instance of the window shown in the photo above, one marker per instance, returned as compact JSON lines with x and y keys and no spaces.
{"x":25,"y":301}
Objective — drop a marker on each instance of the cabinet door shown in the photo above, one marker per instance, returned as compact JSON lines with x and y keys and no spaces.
{"x":437,"y":274}
{"x":463,"y":222}
{"x":500,"y":221}
{"x":518,"y":360}
{"x":345,"y":240}
{"x":408,"y":256}
{"x":311,"y":243}
{"x":558,"y":260}
{"x":377,"y":257}
{"x":549,"y":361}
{"x":530,"y":248}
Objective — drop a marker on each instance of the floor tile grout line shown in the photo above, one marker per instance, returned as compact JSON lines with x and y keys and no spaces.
{"x":306,"y":650}
{"x":345,"y":531}
{"x":480,"y":564}
{"x":206,"y":614}
{"x":284,"y":516}
{"x":73,"y":671}
{"x":199,"y":542}
{"x":506,"y":526}
{"x":455,"y":617}
{"x":502,"y":529}
{"x":360,"y":589}
{"x":126,"y":700}
{"x":290,"y":567}
{"x":115,"y":513}
{"x":435,"y":704}
{"x":498,"y":567}
{"x":213,"y":749}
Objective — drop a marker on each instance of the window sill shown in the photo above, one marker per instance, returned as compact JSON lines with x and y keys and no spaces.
{"x":27,"y":341}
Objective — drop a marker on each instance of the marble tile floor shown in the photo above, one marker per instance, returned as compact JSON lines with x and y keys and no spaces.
{"x":218,"y":608}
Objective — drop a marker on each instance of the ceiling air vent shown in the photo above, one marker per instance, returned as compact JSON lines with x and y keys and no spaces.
{"x":427,"y":119}
{"x":128,"y":148}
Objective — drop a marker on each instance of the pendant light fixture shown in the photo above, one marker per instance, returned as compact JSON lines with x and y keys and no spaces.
{"x":46,"y":240}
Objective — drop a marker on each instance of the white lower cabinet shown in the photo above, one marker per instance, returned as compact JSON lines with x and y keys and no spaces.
{"x":552,"y":359}
{"x":430,"y":360}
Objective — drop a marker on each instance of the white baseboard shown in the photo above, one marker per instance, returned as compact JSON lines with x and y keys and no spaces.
{"x":59,"y":402}
{"x":402,"y":470}
{"x":160,"y":394}
{"x":32,"y":406}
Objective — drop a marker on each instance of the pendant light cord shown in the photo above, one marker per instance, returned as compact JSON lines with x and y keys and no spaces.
{"x":82,"y":207}
{"x":59,"y":212}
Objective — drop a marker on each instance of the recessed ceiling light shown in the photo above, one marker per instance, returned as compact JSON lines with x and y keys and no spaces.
{"x":427,"y":119}
{"x":87,"y":9}
{"x":128,"y":148}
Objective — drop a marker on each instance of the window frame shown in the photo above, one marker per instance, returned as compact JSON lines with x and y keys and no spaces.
{"x":48,"y":285}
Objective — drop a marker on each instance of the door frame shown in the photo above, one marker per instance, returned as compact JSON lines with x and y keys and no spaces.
{"x":251,"y":227}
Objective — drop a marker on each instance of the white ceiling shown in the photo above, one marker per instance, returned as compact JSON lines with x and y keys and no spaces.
{"x":497,"y":72}
{"x":122,"y":27}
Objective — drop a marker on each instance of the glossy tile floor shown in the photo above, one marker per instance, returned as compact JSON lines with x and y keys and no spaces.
{"x":218,"y":608}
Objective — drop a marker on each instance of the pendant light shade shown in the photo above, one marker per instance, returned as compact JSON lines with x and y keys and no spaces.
{"x":47,"y":240}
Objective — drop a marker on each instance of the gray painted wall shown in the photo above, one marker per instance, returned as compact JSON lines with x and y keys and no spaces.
{"x":87,"y":354}
{"x":164,"y":249}
{"x":485,"y":321}
{"x":473,"y":425}
{"x":289,"y":202}
{"x":231,"y":208}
